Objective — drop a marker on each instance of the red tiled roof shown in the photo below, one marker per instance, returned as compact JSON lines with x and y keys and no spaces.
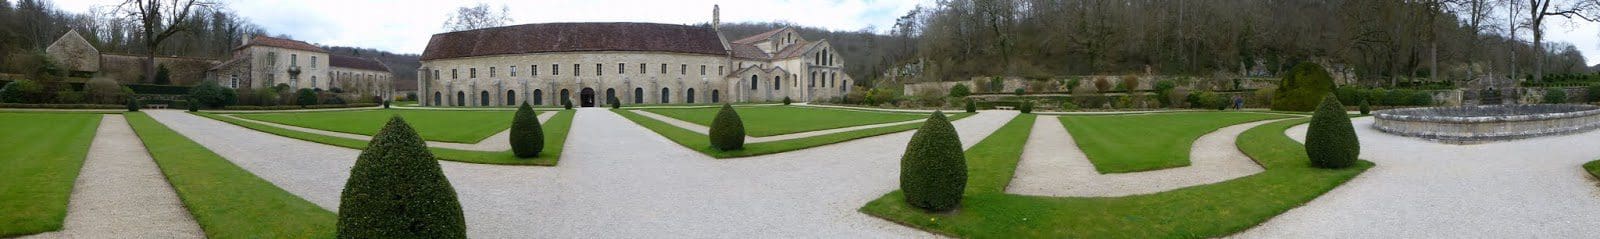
{"x":356,"y":63}
{"x":568,"y":37}
{"x":283,"y":43}
{"x":759,"y":37}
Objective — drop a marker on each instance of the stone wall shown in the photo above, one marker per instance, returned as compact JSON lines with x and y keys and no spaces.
{"x":1059,"y":84}
{"x":1496,"y":126}
{"x":129,"y":69}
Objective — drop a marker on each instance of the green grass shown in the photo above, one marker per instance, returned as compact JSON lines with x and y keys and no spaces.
{"x":1593,"y":167}
{"x":762,"y":121}
{"x":434,"y":125}
{"x":555,"y":136}
{"x":1203,"y":211}
{"x":42,"y":155}
{"x":1144,"y":142}
{"x":701,"y":142}
{"x":226,"y":200}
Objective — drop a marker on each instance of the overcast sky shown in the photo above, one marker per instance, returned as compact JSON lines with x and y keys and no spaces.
{"x":403,"y":26}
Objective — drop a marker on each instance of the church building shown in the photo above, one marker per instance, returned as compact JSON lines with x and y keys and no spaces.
{"x":634,"y":63}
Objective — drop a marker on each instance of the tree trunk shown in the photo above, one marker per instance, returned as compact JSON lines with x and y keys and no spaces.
{"x":150,"y":67}
{"x":1433,"y":61}
{"x":1538,"y":53}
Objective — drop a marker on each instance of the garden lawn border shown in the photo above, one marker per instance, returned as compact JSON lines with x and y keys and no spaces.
{"x":475,"y":140}
{"x":911,"y":116}
{"x":1203,"y":211}
{"x":1114,"y":162}
{"x":701,"y":142}
{"x":226,"y":200}
{"x":50,"y":213}
{"x":1593,"y":167}
{"x":555,"y":138}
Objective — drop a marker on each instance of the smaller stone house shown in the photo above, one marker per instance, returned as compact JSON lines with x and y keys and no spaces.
{"x":263,"y":61}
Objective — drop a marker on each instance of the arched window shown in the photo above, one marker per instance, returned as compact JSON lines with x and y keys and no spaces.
{"x":753,"y":80}
{"x":511,"y":97}
{"x":638,"y":95}
{"x":563,"y":98}
{"x":777,"y":83}
{"x":436,"y":96}
{"x":666,"y":95}
{"x":688,"y":96}
{"x":461,"y":98}
{"x":611,"y":95}
{"x":483,"y":98}
{"x":538,"y":97}
{"x":715,"y":98}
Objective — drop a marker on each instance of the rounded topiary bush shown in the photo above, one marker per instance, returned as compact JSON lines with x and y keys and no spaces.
{"x":527,"y":136}
{"x":615,"y":103}
{"x":933,"y":171}
{"x":1025,"y":107}
{"x":397,"y":190}
{"x":1366,"y":108}
{"x":305,"y":97}
{"x":972,"y":107}
{"x":193,"y":107}
{"x":960,"y":90}
{"x":727,"y":130}
{"x":1331,"y":141}
{"x":566,"y":103}
{"x":1302,"y":88}
{"x":385,"y":104}
{"x":133,"y":104}
{"x":787,"y":101}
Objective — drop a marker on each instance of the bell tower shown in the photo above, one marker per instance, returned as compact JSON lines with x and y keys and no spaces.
{"x":716,"y":17}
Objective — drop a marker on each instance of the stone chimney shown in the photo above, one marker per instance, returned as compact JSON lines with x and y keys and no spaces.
{"x":716,"y":17}
{"x":244,"y":40}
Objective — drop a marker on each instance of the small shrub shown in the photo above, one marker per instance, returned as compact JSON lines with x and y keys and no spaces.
{"x":1130,"y":83}
{"x":615,"y":103}
{"x":1068,"y":106}
{"x":163,"y":75}
{"x":1019,"y":92}
{"x":972,"y":107}
{"x":1555,"y":96}
{"x":1302,"y":87}
{"x":960,"y":90}
{"x":1366,"y":109}
{"x":133,"y":104}
{"x":305,"y":97}
{"x":1331,"y":141}
{"x":787,"y":101}
{"x":1102,"y":85}
{"x":385,"y":104}
{"x":1026,"y":107}
{"x":933,"y":170}
{"x":397,"y":190}
{"x":727,"y":130}
{"x":193,"y":107}
{"x":1163,"y":89}
{"x":566,"y":103}
{"x":527,"y":135}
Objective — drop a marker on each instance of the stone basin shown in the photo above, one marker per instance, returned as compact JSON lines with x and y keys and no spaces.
{"x":1489,"y":123}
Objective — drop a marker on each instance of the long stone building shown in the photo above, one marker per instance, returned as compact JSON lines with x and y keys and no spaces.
{"x":635,"y":63}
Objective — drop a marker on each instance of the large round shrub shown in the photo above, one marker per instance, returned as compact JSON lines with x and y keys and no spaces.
{"x":103,"y":90}
{"x":727,"y":130}
{"x":305,"y":97}
{"x":1331,"y":142}
{"x":960,"y":90}
{"x":933,"y":171}
{"x":397,"y":190}
{"x":1302,"y":87}
{"x":527,"y":136}
{"x":21,"y":91}
{"x":209,"y":94}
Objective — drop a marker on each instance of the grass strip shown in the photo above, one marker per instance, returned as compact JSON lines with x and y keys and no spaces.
{"x":228,"y":201}
{"x":766,"y":121}
{"x":700,"y":142}
{"x":433,"y":125}
{"x":43,"y":153}
{"x":555,"y":137}
{"x":1203,"y":211}
{"x":1144,"y":142}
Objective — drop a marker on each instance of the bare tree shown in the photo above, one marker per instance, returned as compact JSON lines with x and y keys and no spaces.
{"x":1587,"y":10}
{"x":158,"y":20}
{"x":477,"y":17}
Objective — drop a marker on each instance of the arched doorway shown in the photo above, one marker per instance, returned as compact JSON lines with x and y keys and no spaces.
{"x":611,"y":96}
{"x":436,"y":96}
{"x":638,"y":95}
{"x":461,"y":98}
{"x":538,"y":97}
{"x":714,"y":97}
{"x":688,"y":96}
{"x":483,"y":98}
{"x":564,"y":97}
{"x":586,"y":97}
{"x":666,"y":96}
{"x":511,"y":97}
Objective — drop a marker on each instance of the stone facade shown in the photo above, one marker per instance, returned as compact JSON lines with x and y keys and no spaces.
{"x":265,"y":62}
{"x":73,"y":53}
{"x":636,"y":63}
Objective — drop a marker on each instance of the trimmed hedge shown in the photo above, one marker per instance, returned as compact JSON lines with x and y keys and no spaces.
{"x":933,"y":171}
{"x":61,"y":106}
{"x":527,"y":136}
{"x":397,"y":190}
{"x":296,"y":107}
{"x":727,"y":130}
{"x":159,"y":89}
{"x":1302,"y":88}
{"x":211,"y":95}
{"x":1331,"y":141}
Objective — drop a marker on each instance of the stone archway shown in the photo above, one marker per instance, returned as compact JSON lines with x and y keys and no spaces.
{"x":483,"y":98}
{"x":611,"y":96}
{"x":511,"y":97}
{"x":638,"y":95}
{"x":587,"y":96}
{"x":461,"y":98}
{"x":688,"y":96}
{"x":436,"y":96}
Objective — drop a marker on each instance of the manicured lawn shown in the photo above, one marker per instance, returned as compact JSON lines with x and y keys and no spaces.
{"x":701,"y":142}
{"x":42,"y":155}
{"x":226,"y":200}
{"x":555,"y":136}
{"x":1144,"y":142}
{"x":1593,"y":167}
{"x":1203,"y":211}
{"x":762,"y":121}
{"x":434,"y":125}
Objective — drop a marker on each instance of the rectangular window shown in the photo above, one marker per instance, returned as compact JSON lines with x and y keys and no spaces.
{"x":533,"y":70}
{"x":702,"y":69}
{"x":436,"y":74}
{"x":577,"y":69}
{"x":642,"y":69}
{"x":663,"y":69}
{"x":313,"y":62}
{"x":272,"y":58}
{"x":294,"y":59}
{"x":472,"y":73}
{"x":599,"y":69}
{"x":454,"y":74}
{"x":719,"y":71}
{"x":491,"y":72}
{"x":555,"y":69}
{"x":513,"y":71}
{"x":683,"y":69}
{"x":622,"y":68}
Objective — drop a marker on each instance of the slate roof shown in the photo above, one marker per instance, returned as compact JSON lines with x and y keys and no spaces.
{"x":759,"y":37}
{"x":283,"y":43}
{"x":356,"y":63}
{"x":570,"y":37}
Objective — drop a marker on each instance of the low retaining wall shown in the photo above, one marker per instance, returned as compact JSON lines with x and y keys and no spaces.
{"x":1482,"y":124}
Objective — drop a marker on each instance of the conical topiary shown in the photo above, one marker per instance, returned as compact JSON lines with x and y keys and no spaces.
{"x":933,"y":171}
{"x":133,"y":104}
{"x":397,"y":190}
{"x":727,"y":130}
{"x":1330,"y":141}
{"x":615,"y":103}
{"x":971,"y":107}
{"x":566,"y":103}
{"x":527,"y":136}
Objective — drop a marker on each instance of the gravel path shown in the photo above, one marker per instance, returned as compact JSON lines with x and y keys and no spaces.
{"x":494,"y":143}
{"x":1533,"y":188}
{"x":121,"y":193}
{"x":750,"y":140}
{"x":1053,"y":165}
{"x":651,"y":187}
